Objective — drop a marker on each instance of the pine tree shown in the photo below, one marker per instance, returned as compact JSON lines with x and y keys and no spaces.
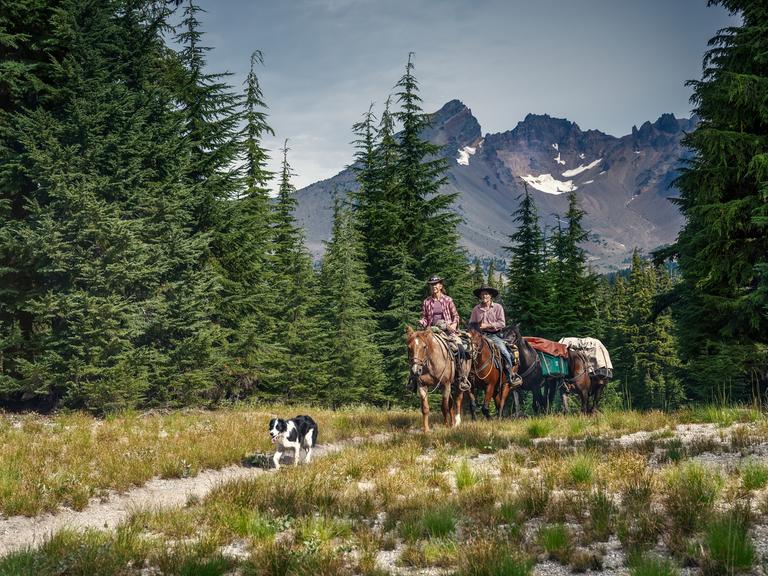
{"x":649,"y":365}
{"x":526,"y":290}
{"x":427,"y":220}
{"x":722,"y":250}
{"x":478,"y":275}
{"x":247,"y":297}
{"x":116,"y":301}
{"x":356,"y":365}
{"x":302,"y":368}
{"x":572,"y":286}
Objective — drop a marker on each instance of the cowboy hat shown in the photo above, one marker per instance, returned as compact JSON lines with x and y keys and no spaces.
{"x":435,"y":279}
{"x":490,"y":289}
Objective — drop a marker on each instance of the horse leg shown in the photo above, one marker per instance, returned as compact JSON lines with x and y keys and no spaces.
{"x":504,"y":395}
{"x":447,"y":407}
{"x":472,"y":405}
{"x":457,"y":406}
{"x":424,"y":407}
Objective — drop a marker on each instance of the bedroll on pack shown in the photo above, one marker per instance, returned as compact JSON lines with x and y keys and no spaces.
{"x":599,"y":359}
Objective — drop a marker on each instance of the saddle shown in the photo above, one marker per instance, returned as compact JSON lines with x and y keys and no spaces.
{"x":459,"y":356}
{"x":499,"y":361}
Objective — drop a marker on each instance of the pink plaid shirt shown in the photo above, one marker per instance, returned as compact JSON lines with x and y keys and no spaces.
{"x":493,"y":316}
{"x":450,"y":314}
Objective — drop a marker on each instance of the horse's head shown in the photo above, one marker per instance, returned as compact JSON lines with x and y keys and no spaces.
{"x":418,"y":349}
{"x":512,"y":334}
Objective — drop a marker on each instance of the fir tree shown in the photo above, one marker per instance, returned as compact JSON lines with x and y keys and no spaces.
{"x":247,"y":296}
{"x":117,"y":300}
{"x":301,"y":370}
{"x":526,"y":289}
{"x":722,"y":250}
{"x":427,"y":220}
{"x":572,"y":286}
{"x":356,"y":365}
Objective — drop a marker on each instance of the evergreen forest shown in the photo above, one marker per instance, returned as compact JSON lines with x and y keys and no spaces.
{"x":149,"y":258}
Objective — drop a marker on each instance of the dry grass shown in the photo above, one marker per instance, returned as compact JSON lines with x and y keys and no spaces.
{"x":469,"y":500}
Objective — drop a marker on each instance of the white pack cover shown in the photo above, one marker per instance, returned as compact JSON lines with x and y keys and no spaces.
{"x":593,"y":348}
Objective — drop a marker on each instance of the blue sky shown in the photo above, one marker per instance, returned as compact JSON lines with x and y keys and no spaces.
{"x":604,"y":64}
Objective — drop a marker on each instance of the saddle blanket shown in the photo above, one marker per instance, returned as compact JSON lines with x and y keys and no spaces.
{"x":547,"y":346}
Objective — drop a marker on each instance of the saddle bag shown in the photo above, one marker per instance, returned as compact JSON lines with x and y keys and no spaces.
{"x":552,"y":366}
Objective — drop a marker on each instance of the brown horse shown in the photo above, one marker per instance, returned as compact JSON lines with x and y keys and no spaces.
{"x":577,"y":381}
{"x":487,"y":372}
{"x":432,"y":367}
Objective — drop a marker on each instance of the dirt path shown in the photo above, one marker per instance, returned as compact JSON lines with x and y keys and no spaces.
{"x":19,"y":532}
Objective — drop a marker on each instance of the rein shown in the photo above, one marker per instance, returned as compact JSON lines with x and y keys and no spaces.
{"x":488,"y":363}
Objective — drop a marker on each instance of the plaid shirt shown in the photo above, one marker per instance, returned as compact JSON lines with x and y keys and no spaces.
{"x":450,"y":315}
{"x":493,"y":316}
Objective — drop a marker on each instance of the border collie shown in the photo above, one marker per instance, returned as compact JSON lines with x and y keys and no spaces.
{"x":294,"y":433}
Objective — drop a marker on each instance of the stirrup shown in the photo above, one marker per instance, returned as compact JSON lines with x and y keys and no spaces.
{"x":464,"y":384}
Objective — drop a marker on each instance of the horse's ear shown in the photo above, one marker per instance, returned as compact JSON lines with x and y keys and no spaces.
{"x":408,"y":330}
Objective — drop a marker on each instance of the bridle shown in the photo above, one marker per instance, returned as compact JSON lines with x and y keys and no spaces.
{"x":488,"y":363}
{"x":418,"y":365}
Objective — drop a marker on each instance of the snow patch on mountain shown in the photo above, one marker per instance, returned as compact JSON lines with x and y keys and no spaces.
{"x":546,"y":183}
{"x":464,"y":155}
{"x":581,"y":168}
{"x":558,"y":160}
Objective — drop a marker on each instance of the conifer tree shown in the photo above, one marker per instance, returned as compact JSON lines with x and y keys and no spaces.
{"x":426,"y":218}
{"x":247,"y":297}
{"x":117,"y":301}
{"x":571,"y":285}
{"x":478,"y":275}
{"x":213,"y":113}
{"x":722,"y":250}
{"x":302,"y":368}
{"x":355,"y":362}
{"x":526,"y":289}
{"x":649,"y":363}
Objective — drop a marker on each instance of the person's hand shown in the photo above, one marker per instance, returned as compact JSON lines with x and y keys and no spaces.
{"x":484,"y":325}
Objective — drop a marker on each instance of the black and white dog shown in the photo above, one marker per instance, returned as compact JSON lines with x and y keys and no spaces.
{"x":294,"y":433}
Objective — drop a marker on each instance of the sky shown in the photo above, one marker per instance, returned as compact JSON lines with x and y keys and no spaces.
{"x":604,"y":64}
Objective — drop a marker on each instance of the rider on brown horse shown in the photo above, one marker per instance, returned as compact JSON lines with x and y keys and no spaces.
{"x":488,"y":317}
{"x":439,"y":311}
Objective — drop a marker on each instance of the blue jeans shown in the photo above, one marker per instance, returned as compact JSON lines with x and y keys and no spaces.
{"x":499,"y":342}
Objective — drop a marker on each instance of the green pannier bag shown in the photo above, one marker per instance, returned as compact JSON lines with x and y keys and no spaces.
{"x":553,"y":366}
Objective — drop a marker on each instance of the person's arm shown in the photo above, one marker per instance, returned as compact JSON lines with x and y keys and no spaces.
{"x":454,"y":324}
{"x":424,"y":321}
{"x":498,"y":321}
{"x":474,"y":318}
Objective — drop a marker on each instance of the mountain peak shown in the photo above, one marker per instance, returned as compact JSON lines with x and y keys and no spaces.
{"x":453,"y":126}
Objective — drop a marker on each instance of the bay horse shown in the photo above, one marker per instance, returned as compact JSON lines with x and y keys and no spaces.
{"x":431,"y":365}
{"x":577,"y":380}
{"x":529,"y":370}
{"x":487,"y":372}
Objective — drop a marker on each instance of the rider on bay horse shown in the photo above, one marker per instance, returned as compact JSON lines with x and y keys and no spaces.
{"x":488,"y":317}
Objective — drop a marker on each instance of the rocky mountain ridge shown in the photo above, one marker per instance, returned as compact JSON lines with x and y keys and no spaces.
{"x":623,"y":184}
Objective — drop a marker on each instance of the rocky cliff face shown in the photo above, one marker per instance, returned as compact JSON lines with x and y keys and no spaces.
{"x":623,"y":183}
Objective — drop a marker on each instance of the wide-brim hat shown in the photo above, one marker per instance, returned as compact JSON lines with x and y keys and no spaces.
{"x":489,"y":289}
{"x":435,"y":279}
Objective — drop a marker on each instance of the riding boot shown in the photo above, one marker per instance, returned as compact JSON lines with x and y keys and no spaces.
{"x":514,"y":379}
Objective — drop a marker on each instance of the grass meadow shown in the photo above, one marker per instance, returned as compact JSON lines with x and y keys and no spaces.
{"x":621,"y":492}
